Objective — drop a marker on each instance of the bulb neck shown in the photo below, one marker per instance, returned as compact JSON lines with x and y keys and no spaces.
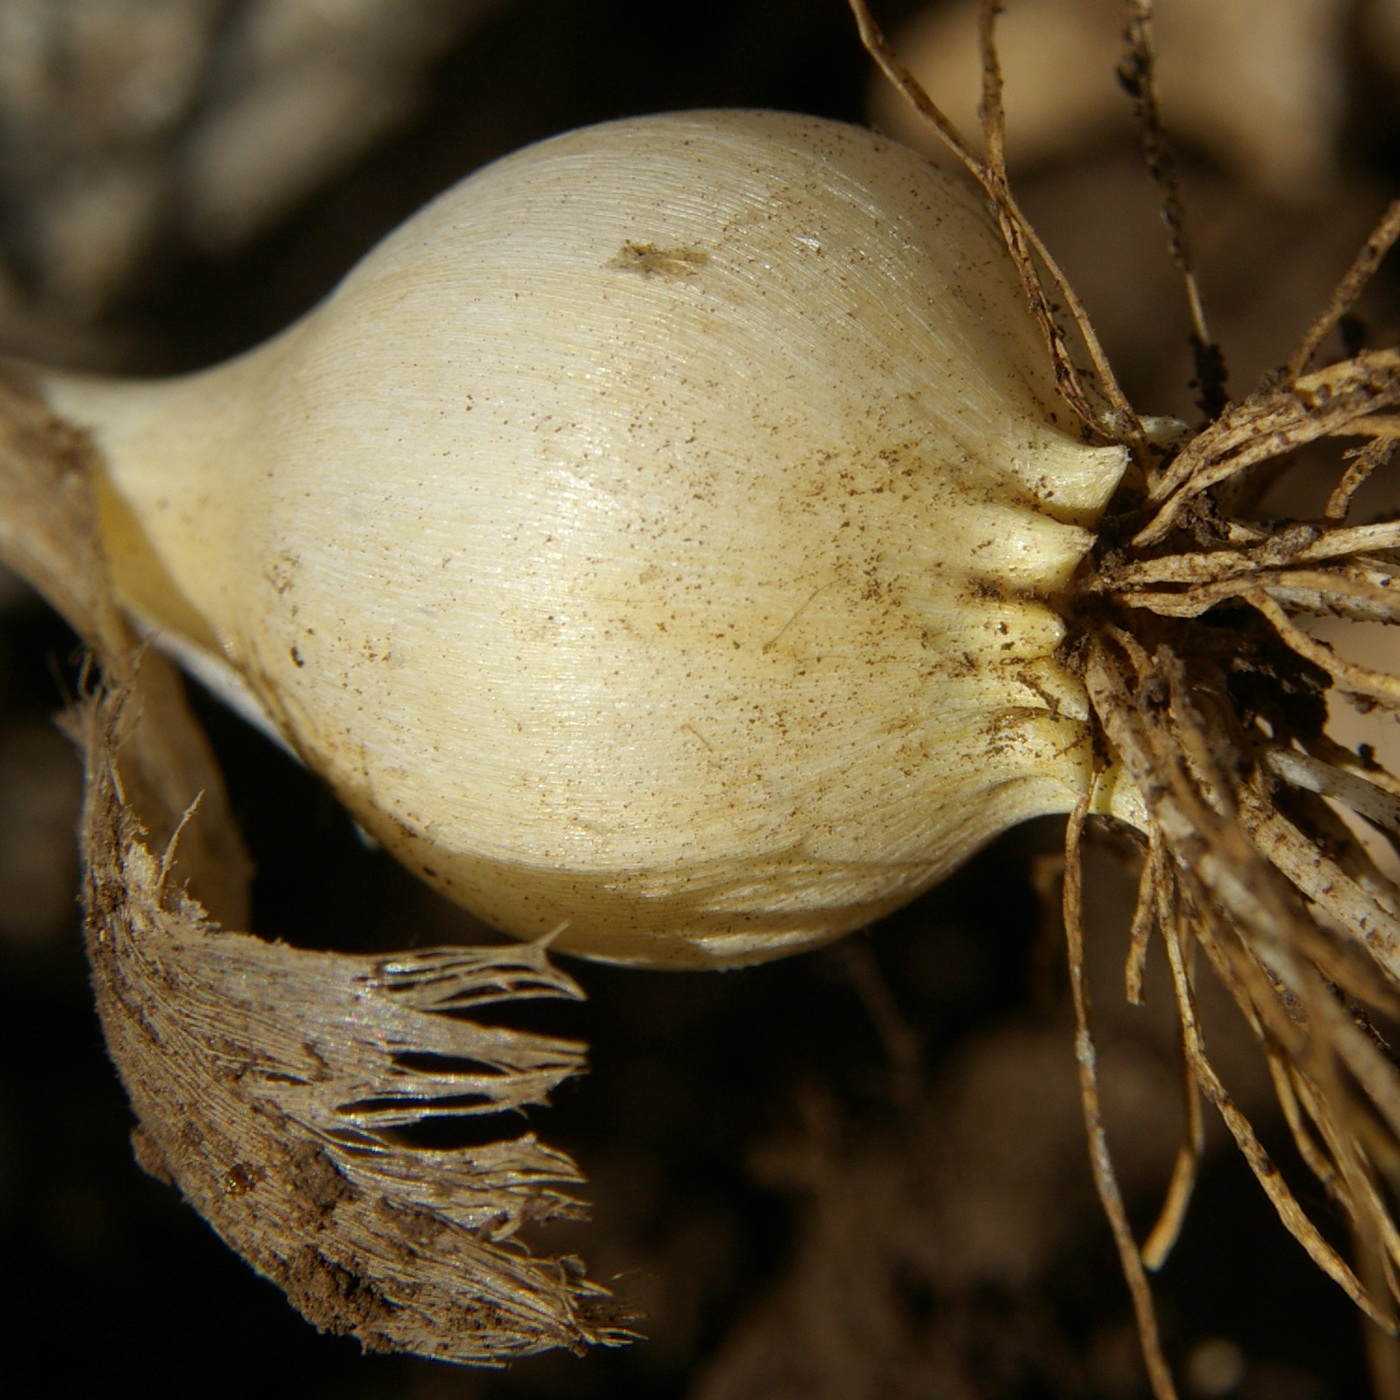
{"x":170,"y":454}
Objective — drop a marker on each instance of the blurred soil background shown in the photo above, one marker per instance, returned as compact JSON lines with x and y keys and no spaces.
{"x":858,"y":1173}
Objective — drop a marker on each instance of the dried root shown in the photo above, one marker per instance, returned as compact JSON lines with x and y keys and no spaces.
{"x":1211,"y":693}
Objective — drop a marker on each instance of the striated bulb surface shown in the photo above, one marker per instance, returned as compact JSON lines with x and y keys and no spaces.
{"x":663,"y":533}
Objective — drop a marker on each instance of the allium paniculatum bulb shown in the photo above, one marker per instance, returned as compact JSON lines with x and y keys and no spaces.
{"x":665,"y":532}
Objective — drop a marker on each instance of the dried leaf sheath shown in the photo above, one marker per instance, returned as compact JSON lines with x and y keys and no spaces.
{"x":265,"y":1079}
{"x":269,"y":1081}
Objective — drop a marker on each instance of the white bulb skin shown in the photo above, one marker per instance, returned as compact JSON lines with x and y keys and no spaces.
{"x":664,"y":533}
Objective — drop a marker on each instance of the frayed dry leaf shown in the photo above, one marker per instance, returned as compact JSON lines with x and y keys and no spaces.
{"x":272,"y":1085}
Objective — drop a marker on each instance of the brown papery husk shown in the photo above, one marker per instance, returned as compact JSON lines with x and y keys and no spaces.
{"x":1211,"y":694}
{"x":271,"y":1084}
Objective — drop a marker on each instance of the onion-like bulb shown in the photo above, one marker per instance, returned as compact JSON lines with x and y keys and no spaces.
{"x":663,"y":533}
